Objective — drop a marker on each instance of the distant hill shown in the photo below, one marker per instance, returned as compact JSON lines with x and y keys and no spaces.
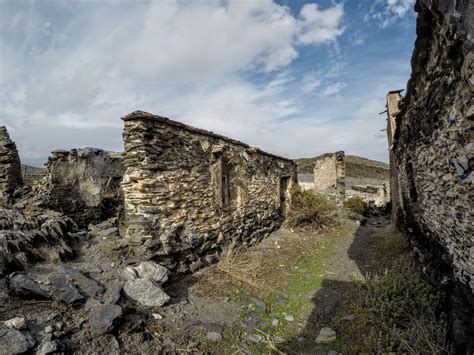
{"x":356,"y":167}
{"x":31,"y":173}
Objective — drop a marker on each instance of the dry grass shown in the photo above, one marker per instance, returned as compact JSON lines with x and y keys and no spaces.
{"x":241,"y":266}
{"x":395,"y":309}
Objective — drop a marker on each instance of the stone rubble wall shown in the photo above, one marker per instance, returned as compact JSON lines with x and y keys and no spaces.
{"x":330,"y":175}
{"x":10,"y":167}
{"x":84,"y":184}
{"x":178,"y":208}
{"x":433,"y":152}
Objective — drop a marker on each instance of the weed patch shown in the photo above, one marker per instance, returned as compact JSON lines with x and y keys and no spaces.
{"x":356,"y":204}
{"x":309,"y":210}
{"x":394,"y":308}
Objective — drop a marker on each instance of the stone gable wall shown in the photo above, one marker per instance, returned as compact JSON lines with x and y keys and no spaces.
{"x":433,"y":155}
{"x":84,"y":184}
{"x":189,"y":193}
{"x":330,"y":175}
{"x":10,"y":167}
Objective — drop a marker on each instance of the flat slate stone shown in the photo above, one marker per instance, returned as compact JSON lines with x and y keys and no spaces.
{"x":12,"y":341}
{"x":101,"y":319}
{"x":146,"y":292}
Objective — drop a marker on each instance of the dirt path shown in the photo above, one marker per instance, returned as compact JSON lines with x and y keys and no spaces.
{"x":275,"y":296}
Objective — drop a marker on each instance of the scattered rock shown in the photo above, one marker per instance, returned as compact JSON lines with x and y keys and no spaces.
{"x":91,"y":304}
{"x":289,"y":318}
{"x":90,"y":287}
{"x":332,"y":352}
{"x":275,"y":322}
{"x":256,"y":338}
{"x":63,"y":290}
{"x":112,"y":294}
{"x":146,"y":292}
{"x":153,"y":271}
{"x":102,"y":318}
{"x":16,"y":323}
{"x":326,"y":336}
{"x":48,"y":329}
{"x":260,"y":304}
{"x":22,"y":285}
{"x":130,"y":273}
{"x":214,"y":336}
{"x":47,"y":347}
{"x":281,"y":301}
{"x":12,"y":341}
{"x":157,"y":316}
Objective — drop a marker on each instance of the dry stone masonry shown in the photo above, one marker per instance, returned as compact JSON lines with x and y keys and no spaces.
{"x":188,"y":193}
{"x":330,"y":175}
{"x":84,"y":184}
{"x":431,"y":137}
{"x":10,"y":167}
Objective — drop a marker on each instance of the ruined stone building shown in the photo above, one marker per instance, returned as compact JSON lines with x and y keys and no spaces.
{"x":83,"y":184}
{"x":330,"y":175}
{"x":329,"y":179}
{"x":431,"y":143}
{"x":10,"y":167}
{"x":188,"y":192}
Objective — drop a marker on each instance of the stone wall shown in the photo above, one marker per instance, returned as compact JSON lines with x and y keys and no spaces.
{"x":10,"y":167}
{"x":330,"y":175}
{"x":83,"y":184}
{"x":189,"y":193}
{"x":433,"y":152}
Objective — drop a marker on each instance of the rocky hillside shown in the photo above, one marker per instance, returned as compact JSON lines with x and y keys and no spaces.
{"x":356,"y":167}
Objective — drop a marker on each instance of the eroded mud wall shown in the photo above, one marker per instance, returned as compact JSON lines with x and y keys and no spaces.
{"x":188,"y":192}
{"x":10,"y":167}
{"x":83,"y":184}
{"x":433,"y":151}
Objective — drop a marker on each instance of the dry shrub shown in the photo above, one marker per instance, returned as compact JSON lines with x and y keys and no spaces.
{"x":240,"y":265}
{"x":394,"y":307}
{"x":308,"y":209}
{"x":356,"y":204}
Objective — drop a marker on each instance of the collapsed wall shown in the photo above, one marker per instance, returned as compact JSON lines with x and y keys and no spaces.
{"x":189,"y":193}
{"x":84,"y":184}
{"x":432,"y":150}
{"x":330,"y":175}
{"x":10,"y":167}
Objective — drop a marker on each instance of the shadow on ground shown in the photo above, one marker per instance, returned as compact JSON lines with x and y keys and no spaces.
{"x":328,"y":299}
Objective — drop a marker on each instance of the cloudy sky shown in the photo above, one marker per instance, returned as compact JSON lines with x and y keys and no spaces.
{"x":296,"y":78}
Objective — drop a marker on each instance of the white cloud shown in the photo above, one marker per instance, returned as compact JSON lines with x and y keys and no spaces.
{"x":310,"y":81}
{"x":387,"y":12}
{"x":319,"y":26}
{"x":224,"y":66}
{"x":332,"y":89}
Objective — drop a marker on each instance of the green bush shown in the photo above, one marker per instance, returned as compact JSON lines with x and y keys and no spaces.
{"x":308,"y":209}
{"x":356,"y":204}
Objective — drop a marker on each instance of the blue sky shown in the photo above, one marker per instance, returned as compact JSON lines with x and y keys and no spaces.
{"x":296,"y":78}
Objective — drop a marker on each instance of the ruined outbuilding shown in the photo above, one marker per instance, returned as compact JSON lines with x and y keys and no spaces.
{"x":330,"y":175}
{"x":431,"y":145}
{"x":10,"y":167}
{"x":83,"y":184}
{"x":188,"y":192}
